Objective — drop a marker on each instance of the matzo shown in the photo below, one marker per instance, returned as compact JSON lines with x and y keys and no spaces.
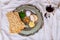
{"x":16,"y":25}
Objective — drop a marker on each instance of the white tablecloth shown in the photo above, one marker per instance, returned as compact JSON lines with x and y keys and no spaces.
{"x":50,"y":29}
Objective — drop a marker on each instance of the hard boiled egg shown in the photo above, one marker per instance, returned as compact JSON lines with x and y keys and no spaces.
{"x":28,"y":13}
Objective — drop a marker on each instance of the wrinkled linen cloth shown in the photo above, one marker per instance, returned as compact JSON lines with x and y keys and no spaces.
{"x":50,"y":30}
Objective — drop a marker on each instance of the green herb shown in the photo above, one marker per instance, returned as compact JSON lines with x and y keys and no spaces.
{"x":22,"y":14}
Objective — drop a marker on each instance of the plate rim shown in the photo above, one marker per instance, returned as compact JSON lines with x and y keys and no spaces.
{"x":41,"y":18}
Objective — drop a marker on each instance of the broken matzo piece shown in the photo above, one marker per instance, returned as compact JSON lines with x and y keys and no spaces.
{"x":16,"y":25}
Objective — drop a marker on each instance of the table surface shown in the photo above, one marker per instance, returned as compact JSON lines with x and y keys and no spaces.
{"x":50,"y":29}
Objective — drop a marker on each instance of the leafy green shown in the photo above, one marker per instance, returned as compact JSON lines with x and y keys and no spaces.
{"x":22,"y":14}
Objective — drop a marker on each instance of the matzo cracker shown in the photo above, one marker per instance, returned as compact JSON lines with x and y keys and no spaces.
{"x":16,"y":25}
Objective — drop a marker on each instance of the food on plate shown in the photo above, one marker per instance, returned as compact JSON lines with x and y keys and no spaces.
{"x":28,"y":13}
{"x":33,"y":18}
{"x":31,"y":24}
{"x":26,"y":20}
{"x":16,"y":25}
{"x":19,"y":20}
{"x":22,"y":14}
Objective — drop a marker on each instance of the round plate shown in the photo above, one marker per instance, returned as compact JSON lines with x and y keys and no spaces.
{"x":40,"y":19}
